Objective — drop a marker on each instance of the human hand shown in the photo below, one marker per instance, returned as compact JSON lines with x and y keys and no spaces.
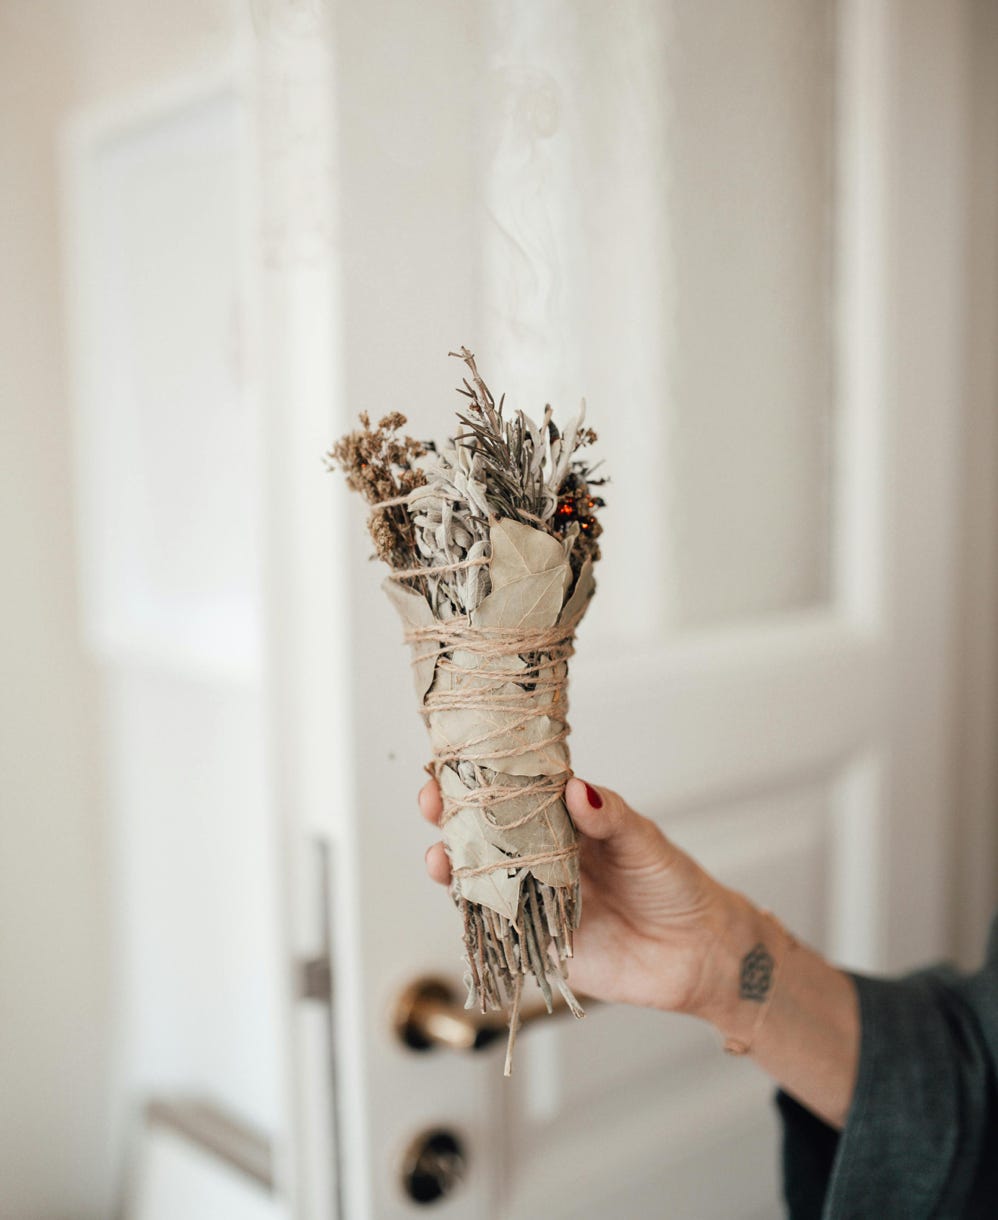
{"x":651,"y":916}
{"x":657,"y":930}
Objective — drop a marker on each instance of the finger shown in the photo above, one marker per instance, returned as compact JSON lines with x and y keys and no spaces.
{"x":592,"y":811}
{"x":438,"y":864}
{"x":430,"y":804}
{"x":600,"y":813}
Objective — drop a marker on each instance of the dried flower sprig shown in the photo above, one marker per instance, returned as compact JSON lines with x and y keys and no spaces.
{"x":525,"y":464}
{"x":533,"y":473}
{"x":380,"y":464}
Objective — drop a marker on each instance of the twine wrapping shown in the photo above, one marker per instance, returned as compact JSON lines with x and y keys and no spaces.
{"x":502,"y":679}
{"x":498,"y":644}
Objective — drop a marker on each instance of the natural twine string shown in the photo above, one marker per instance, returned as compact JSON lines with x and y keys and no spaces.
{"x":501,"y":689}
{"x":492,"y":644}
{"x":547,"y":676}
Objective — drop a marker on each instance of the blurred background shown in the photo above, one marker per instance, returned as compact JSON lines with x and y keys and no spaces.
{"x":761,"y":238}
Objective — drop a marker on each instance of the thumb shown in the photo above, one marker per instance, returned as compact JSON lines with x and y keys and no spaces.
{"x":631,"y":839}
{"x":601,"y":813}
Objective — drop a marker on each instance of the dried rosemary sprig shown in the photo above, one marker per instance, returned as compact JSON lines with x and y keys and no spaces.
{"x":533,"y":473}
{"x":491,"y":554}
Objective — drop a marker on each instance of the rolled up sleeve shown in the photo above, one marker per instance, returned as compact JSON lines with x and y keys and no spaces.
{"x":920,"y":1138}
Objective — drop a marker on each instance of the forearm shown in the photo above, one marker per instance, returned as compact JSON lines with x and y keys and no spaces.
{"x":808,"y":1039}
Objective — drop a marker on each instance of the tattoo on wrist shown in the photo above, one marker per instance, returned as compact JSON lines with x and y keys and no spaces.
{"x":756,"y":975}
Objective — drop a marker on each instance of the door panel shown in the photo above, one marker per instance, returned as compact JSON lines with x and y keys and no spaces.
{"x":749,"y":396}
{"x":679,"y":211}
{"x":169,"y":508}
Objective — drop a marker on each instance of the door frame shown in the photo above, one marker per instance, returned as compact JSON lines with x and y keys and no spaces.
{"x":975,"y":855}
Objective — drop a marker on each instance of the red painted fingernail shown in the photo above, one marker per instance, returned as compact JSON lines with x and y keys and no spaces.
{"x":594,"y":797}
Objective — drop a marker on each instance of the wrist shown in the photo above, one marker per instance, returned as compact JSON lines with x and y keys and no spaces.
{"x":738,"y":929}
{"x":798,"y":1017}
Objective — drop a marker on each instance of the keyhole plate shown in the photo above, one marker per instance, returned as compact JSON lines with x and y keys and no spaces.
{"x":435,"y":1163}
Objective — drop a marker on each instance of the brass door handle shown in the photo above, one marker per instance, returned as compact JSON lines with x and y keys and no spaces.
{"x":429,"y":1013}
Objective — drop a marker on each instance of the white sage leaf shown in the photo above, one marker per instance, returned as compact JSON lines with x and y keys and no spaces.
{"x":578,"y":603}
{"x":415,"y":613}
{"x":532,"y":602}
{"x":467,"y":848}
{"x":519,"y":550}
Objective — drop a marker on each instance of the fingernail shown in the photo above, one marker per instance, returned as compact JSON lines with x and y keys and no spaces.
{"x":594,"y":797}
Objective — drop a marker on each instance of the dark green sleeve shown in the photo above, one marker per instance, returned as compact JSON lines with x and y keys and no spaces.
{"x":921,"y":1135}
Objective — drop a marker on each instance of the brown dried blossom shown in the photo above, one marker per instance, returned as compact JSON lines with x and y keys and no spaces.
{"x":380,"y":464}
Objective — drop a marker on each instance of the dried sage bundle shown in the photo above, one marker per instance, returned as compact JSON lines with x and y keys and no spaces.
{"x":491,"y":539}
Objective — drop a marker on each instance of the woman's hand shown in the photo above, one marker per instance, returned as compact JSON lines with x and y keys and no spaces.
{"x":650,"y":914}
{"x":659,"y":931}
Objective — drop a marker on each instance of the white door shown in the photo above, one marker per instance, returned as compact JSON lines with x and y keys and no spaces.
{"x":700,"y":217}
{"x":158,"y":241}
